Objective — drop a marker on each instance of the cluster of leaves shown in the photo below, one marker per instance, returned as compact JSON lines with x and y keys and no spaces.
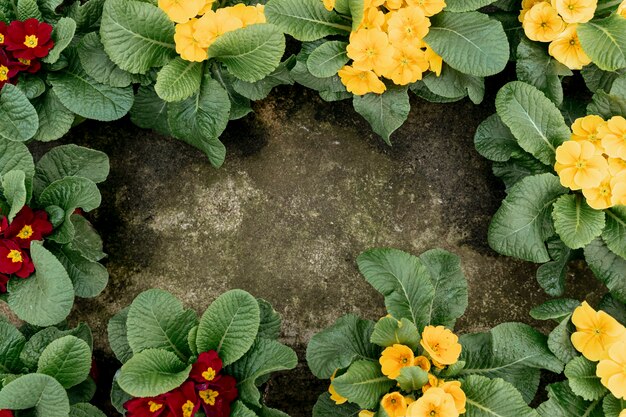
{"x":71,"y":84}
{"x":472,"y":45}
{"x":67,"y":262}
{"x":157,"y":340}
{"x":46,"y":372}
{"x":582,"y":393}
{"x":540,"y":220}
{"x":499,"y":370}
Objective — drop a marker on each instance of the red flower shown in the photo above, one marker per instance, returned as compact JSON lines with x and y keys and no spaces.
{"x":3,"y":37}
{"x":147,"y":407}
{"x":29,"y":39}
{"x":183,"y":401}
{"x":8,"y":69}
{"x":29,"y":225}
{"x":13,"y":260}
{"x":4,"y":225}
{"x":6,"y":413}
{"x":218,"y":396}
{"x":28,"y":65}
{"x":4,"y":280}
{"x":207,"y":367}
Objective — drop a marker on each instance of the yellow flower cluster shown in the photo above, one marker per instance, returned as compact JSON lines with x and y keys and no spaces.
{"x":389,"y":44}
{"x":594,"y":161}
{"x":198,"y":25}
{"x":599,"y":337}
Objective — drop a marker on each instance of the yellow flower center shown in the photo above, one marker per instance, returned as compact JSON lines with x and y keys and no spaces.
{"x":4,"y":73}
{"x":572,"y":42}
{"x":154,"y":407}
{"x":187,"y":409}
{"x":370,"y":52}
{"x":432,"y":413}
{"x":392,"y":401}
{"x":15,"y":256}
{"x":571,"y":7}
{"x":209,"y":396}
{"x":24,"y":61}
{"x":209,"y":374}
{"x":26,"y":232}
{"x":580,"y":164}
{"x":1,"y":38}
{"x":31,"y":41}
{"x":605,"y":191}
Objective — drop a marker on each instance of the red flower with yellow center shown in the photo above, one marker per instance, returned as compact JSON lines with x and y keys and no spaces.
{"x":3,"y":34}
{"x":29,"y":39}
{"x":28,"y":65}
{"x":183,"y":401}
{"x":216,"y":397}
{"x":29,"y":225}
{"x":147,"y":407}
{"x":13,"y":260}
{"x":8,"y":69}
{"x":207,"y":367}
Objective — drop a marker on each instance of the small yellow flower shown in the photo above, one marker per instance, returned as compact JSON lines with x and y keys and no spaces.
{"x":567,"y":50}
{"x":394,"y":404}
{"x":526,"y":6}
{"x":207,"y":6}
{"x":600,"y":197}
{"x":618,"y":188}
{"x":249,"y":15}
{"x":372,"y":19}
{"x":612,"y":370}
{"x":372,"y":3}
{"x":576,"y":11}
{"x":213,"y":25}
{"x":181,"y":11}
{"x":542,"y":23}
{"x":329,"y":4}
{"x":394,"y":4}
{"x":587,"y":129}
{"x":394,"y":358}
{"x":360,"y":82}
{"x":623,"y":413}
{"x":429,"y":7}
{"x":435,"y":403}
{"x":338,"y":399}
{"x":613,"y":136}
{"x":408,"y":25}
{"x":370,"y":50}
{"x":422,"y":362}
{"x":454,"y":389}
{"x":433,"y":382}
{"x":596,"y":332}
{"x":366,"y":413}
{"x":186,"y":45}
{"x":409,"y":63}
{"x":441,"y":344}
{"x":616,"y":166}
{"x":579,"y":166}
{"x":621,"y":10}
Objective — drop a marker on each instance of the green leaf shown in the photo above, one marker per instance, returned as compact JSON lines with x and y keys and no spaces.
{"x":554,"y":309}
{"x":265,"y":356}
{"x":466,"y":5}
{"x":576,"y":223}
{"x":158,"y":320}
{"x":270,"y":321}
{"x":523,"y":223}
{"x":493,"y":398}
{"x":560,"y":342}
{"x":149,"y":111}
{"x":339,"y":345}
{"x":328,"y":59}
{"x":16,"y":156}
{"x":519,"y":166}
{"x":551,"y":275}
{"x":412,"y":378}
{"x":178,"y":79}
{"x":305,"y":20}
{"x":14,"y":190}
{"x":389,"y":331}
{"x":83,"y":392}
{"x":261,"y":89}
{"x":27,"y":9}
{"x":614,"y":308}
{"x":38,"y":342}
{"x":85,"y":96}
{"x":239,"y":409}
{"x":607,"y":267}
{"x":325,"y":407}
{"x":11,"y":345}
{"x":118,"y":396}
{"x":597,"y":79}
{"x":68,"y":360}
{"x":604,"y":40}
{"x":607,"y":105}
{"x":363,"y":384}
{"x":33,"y":87}
{"x":494,"y":140}
{"x":152,"y":372}
{"x":85,"y":410}
{"x":55,"y":120}
{"x":118,"y":339}
{"x":86,"y":240}
{"x":46,"y":297}
{"x":581,"y":374}
{"x":62,"y":35}
{"x":612,"y":406}
{"x":41,"y":392}
{"x":385,"y":112}
{"x":71,"y":193}
{"x":86,"y":14}
{"x":88,"y":277}
{"x":563,"y":402}
{"x":250,"y":53}
{"x":18,"y":118}
{"x":471,"y":42}
{"x":614,"y":234}
{"x":229,"y":326}
{"x":404,"y":281}
{"x":533,"y":119}
{"x":98,"y":65}
{"x":137,"y":36}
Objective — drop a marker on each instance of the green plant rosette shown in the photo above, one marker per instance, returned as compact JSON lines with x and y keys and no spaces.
{"x":499,"y":370}
{"x":66,"y":262}
{"x":157,"y":340}
{"x":44,"y":372}
{"x":540,"y":220}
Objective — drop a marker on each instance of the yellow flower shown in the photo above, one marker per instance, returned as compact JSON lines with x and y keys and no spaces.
{"x":408,"y":25}
{"x":366,"y":413}
{"x":616,"y":166}
{"x":180,"y":11}
{"x":370,"y":50}
{"x":429,"y":7}
{"x":567,"y":50}
{"x":595,"y":332}
{"x":526,"y":6}
{"x":207,"y":6}
{"x":213,"y":25}
{"x":435,"y":403}
{"x":435,"y":62}
{"x":433,"y":382}
{"x":587,"y":129}
{"x":394,"y":404}
{"x":329,"y":4}
{"x":394,"y":4}
{"x":454,"y":389}
{"x":372,"y":3}
{"x":623,"y":413}
{"x":249,"y":15}
{"x":360,"y":82}
{"x":186,"y":45}
{"x":542,"y":23}
{"x":422,"y":362}
{"x":372,"y":19}
{"x":612,"y":370}
{"x":409,"y":63}
{"x":576,"y":11}
{"x":394,"y":358}
{"x":621,"y":10}
{"x":338,"y":399}
{"x":600,"y":197}
{"x":441,"y":344}
{"x":579,"y":166}
{"x":618,"y":187}
{"x":613,"y":136}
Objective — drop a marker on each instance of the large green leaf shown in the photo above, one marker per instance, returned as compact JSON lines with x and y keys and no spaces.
{"x":178,"y":79}
{"x":469,"y":42}
{"x":563,"y":402}
{"x":136,"y":35}
{"x":581,"y":374}
{"x":523,"y":223}
{"x":604,"y":40}
{"x":466,"y":5}
{"x":70,"y":193}
{"x":88,"y":277}
{"x":149,"y":111}
{"x":454,"y":85}
{"x":41,"y":392}
{"x":560,"y":340}
{"x":68,"y":360}
{"x":16,"y":156}
{"x":493,"y":398}
{"x":325,"y":407}
{"x":328,"y":59}
{"x":14,"y":191}
{"x":341,"y":344}
{"x":28,"y":9}
{"x":98,"y":65}
{"x":389,"y":331}
{"x":38,"y":342}
{"x":363,"y":384}
{"x":551,"y":275}
{"x":250,"y":53}
{"x":152,"y":372}
{"x":62,"y":35}
{"x":117,"y":336}
{"x":385,"y":112}
{"x":612,"y":406}
{"x":271,"y":322}
{"x":55,"y":120}
{"x":229,"y":326}
{"x":11,"y":345}
{"x":494,"y":140}
{"x":46,"y":297}
{"x":556,"y":309}
{"x":305,"y":20}
{"x":86,"y":240}
{"x":533,"y":119}
{"x":614,"y":234}
{"x":85,"y":410}
{"x":18,"y":118}
{"x":607,"y":267}
{"x":576,"y":223}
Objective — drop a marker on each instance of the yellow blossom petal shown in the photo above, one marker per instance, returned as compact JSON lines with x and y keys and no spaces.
{"x":542,"y":23}
{"x":566,"y":49}
{"x":441,"y":344}
{"x":596,"y":332}
{"x":576,"y":11}
{"x":394,"y":358}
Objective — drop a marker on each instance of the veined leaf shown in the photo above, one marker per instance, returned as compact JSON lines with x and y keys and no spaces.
{"x":363,"y":384}
{"x":305,"y":20}
{"x":68,"y":360}
{"x":178,"y":79}
{"x":152,"y":372}
{"x":614,"y":234}
{"x":55,"y":120}
{"x":18,"y":118}
{"x":494,"y":140}
{"x":11,"y":345}
{"x":38,"y":391}
{"x":98,"y":65}
{"x":608,"y":267}
{"x":563,"y":402}
{"x":581,"y":374}
{"x":466,"y":5}
{"x":389,"y":331}
{"x":325,"y":407}
{"x":63,"y":34}
{"x":118,"y":338}
{"x":385,"y":112}
{"x":576,"y":223}
{"x":493,"y":397}
{"x":604,"y":40}
{"x":328,"y":59}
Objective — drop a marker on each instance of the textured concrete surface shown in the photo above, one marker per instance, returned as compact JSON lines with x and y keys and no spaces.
{"x":306,"y":187}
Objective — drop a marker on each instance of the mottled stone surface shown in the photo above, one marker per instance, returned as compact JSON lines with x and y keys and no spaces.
{"x":306,"y":187}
